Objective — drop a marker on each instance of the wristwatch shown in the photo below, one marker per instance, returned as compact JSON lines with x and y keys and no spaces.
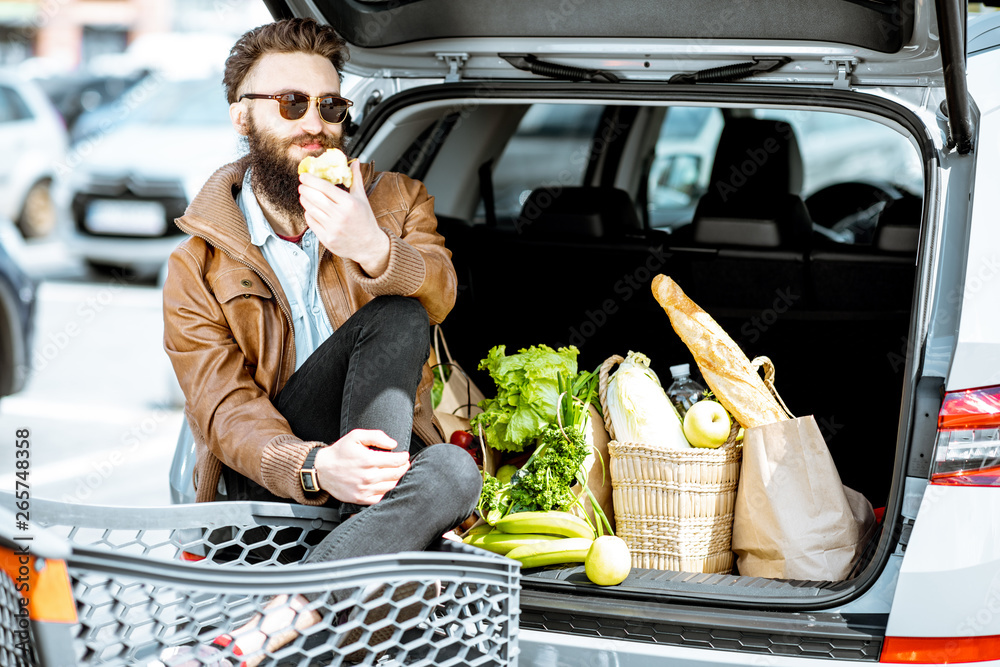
{"x":308,"y":476}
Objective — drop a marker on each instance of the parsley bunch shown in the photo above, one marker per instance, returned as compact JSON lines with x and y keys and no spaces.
{"x":544,"y":482}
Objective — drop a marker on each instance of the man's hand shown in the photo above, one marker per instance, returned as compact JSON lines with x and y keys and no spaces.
{"x":352,"y":473}
{"x":344,"y":222}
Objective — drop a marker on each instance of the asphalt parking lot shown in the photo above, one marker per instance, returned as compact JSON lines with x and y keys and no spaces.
{"x":99,"y":406}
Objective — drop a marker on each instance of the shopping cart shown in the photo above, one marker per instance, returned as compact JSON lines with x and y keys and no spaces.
{"x":124,"y":586}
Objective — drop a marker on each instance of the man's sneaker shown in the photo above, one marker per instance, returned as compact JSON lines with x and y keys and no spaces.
{"x":198,"y":656}
{"x":425,"y":593}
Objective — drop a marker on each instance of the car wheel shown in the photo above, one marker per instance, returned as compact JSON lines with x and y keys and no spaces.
{"x":38,"y":217}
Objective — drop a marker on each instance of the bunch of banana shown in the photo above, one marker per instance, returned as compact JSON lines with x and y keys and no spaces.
{"x":538,"y":538}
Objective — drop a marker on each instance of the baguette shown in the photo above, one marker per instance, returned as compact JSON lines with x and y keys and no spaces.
{"x":732,"y":378}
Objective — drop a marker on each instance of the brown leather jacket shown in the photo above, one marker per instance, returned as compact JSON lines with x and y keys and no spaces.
{"x":228,"y":327}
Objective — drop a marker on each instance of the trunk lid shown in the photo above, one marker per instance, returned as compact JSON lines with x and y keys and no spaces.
{"x":836,"y":43}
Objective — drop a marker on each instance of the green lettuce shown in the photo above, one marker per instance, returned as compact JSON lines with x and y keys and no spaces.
{"x":527,"y":393}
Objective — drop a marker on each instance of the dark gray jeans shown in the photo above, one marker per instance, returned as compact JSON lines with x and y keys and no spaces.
{"x":365,"y":376}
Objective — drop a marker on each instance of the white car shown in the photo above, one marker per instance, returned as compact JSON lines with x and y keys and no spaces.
{"x":33,"y":137}
{"x":876,"y":297}
{"x":131,"y":178}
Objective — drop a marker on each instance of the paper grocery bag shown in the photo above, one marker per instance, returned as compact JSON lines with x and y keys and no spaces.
{"x":598,"y":466}
{"x":460,"y":397}
{"x":793,"y":517}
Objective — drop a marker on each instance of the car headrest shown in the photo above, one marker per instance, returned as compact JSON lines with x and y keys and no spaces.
{"x":753,"y":195}
{"x":756,"y":159}
{"x":743,"y":232}
{"x":592,"y":212}
{"x":898,"y":228}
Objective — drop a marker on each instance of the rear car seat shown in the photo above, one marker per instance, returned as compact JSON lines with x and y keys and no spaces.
{"x":574,"y":268}
{"x":751,"y":229}
{"x":874,"y":279}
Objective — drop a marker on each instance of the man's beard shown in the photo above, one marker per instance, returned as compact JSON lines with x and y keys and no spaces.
{"x":274,"y":174}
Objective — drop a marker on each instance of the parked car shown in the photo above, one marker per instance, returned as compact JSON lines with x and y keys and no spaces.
{"x":876,"y":301}
{"x":74,"y":94}
{"x":17,"y":313}
{"x":34,"y":140}
{"x":128,"y":182}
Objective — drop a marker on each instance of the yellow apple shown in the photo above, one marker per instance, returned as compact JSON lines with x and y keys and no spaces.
{"x":609,"y":561}
{"x":707,"y":424}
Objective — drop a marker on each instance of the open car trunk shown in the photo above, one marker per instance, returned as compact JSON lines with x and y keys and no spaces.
{"x":837,"y":310}
{"x":834,"y":316}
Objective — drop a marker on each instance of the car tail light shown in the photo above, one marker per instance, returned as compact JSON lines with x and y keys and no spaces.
{"x":968,"y":445}
{"x":940,"y":650}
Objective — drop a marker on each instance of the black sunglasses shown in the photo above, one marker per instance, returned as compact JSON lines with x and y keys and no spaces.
{"x":292,"y":106}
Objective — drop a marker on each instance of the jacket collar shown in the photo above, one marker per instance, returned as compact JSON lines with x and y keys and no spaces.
{"x":214,"y":214}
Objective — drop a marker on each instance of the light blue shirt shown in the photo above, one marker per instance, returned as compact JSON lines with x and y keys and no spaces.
{"x":297,"y":269}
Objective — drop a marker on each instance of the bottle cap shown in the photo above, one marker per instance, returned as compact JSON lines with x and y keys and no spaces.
{"x":680,"y":369}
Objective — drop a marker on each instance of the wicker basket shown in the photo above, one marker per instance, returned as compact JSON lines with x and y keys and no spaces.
{"x":673,"y":507}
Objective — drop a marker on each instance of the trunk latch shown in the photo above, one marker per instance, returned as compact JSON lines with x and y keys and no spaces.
{"x":845,"y":65}
{"x":455,"y":63}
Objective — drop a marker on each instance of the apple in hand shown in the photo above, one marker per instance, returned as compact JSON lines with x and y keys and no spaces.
{"x":707,"y":424}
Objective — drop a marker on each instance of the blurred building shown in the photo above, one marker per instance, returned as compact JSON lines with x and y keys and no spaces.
{"x":66,"y":34}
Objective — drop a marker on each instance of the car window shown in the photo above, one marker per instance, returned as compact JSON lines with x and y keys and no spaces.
{"x":835,"y":148}
{"x":838,"y":148}
{"x":550,"y":148}
{"x":12,"y":106}
{"x":682,"y":164}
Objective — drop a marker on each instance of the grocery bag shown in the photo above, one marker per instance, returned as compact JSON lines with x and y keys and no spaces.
{"x":460,"y":396}
{"x":598,"y":467}
{"x":794,"y":519}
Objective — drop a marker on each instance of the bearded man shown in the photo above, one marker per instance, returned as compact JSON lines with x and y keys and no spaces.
{"x":297,"y":314}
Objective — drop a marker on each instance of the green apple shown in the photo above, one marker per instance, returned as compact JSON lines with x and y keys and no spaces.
{"x":707,"y":424}
{"x":505,"y":473}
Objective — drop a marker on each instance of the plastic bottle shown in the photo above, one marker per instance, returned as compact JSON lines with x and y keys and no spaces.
{"x":683,"y":392}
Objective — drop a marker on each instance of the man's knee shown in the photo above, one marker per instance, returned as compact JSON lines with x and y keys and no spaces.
{"x":403,"y":329}
{"x":453,"y":465}
{"x":403,"y":317}
{"x":402,"y":310}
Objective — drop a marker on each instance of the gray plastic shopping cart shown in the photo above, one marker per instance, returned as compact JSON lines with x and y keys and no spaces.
{"x":147,"y":582}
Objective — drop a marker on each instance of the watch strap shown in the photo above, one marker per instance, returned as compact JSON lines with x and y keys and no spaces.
{"x":308,"y":477}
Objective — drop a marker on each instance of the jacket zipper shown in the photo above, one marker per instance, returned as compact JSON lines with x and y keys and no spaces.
{"x":327,"y":310}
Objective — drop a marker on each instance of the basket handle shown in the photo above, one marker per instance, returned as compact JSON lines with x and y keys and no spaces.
{"x":768,"y":366}
{"x":606,"y":367}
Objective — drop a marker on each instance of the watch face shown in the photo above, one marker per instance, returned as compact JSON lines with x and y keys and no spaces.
{"x":308,"y":479}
